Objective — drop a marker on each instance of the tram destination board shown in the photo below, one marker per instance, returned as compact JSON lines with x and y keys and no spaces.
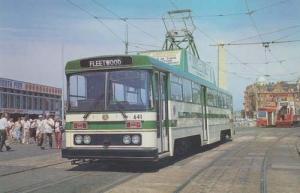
{"x":109,"y":61}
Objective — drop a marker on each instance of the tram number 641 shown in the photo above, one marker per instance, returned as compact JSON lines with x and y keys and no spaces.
{"x":138,"y":116}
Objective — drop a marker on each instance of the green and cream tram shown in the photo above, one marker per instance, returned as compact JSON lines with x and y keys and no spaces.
{"x":139,"y":107}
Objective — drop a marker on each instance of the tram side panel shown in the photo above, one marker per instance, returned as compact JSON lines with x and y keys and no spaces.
{"x":218,"y":122}
{"x":185,"y":121}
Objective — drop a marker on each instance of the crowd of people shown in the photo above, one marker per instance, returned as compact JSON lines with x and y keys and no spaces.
{"x":28,"y":131}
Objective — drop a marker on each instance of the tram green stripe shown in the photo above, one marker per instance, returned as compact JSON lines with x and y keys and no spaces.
{"x":112,"y":125}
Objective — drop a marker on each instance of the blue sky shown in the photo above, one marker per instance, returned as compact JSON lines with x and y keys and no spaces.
{"x":32,"y":33}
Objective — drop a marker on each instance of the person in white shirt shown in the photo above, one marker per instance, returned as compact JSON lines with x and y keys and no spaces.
{"x":39,"y":130}
{"x":17,"y":130}
{"x":48,"y":126}
{"x":33,"y":130}
{"x":26,"y":131}
{"x":3,"y":131}
{"x":22,"y":128}
{"x":10,"y":127}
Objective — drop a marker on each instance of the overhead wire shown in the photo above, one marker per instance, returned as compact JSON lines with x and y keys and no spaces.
{"x":269,"y":6}
{"x":231,"y":54}
{"x":173,"y":4}
{"x":252,"y":20}
{"x":267,"y":33}
{"x":97,"y":19}
{"x":125,"y":19}
{"x":265,"y":45}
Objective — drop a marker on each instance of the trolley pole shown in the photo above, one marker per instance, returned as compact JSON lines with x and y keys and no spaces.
{"x":126,"y":34}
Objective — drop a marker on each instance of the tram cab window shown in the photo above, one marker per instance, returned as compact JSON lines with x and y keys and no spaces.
{"x":109,"y":91}
{"x":87,"y":91}
{"x":129,"y":90}
{"x":262,"y":114}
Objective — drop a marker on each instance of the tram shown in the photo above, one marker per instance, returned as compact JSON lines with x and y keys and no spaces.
{"x":266,"y":117}
{"x":285,"y":114}
{"x":140,"y":107}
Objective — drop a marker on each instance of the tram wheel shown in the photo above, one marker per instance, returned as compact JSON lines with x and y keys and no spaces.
{"x":182,"y":147}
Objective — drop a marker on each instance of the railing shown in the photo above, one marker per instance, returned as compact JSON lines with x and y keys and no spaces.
{"x":242,"y":123}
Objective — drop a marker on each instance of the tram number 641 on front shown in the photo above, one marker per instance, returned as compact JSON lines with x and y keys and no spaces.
{"x":138,"y":116}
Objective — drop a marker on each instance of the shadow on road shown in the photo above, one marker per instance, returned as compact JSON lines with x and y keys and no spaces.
{"x":140,"y":167}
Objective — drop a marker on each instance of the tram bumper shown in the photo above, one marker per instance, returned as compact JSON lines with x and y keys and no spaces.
{"x":138,"y":154}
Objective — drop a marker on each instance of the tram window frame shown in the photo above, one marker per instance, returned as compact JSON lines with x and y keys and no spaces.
{"x":213,"y":100}
{"x":176,"y":88}
{"x":196,"y":93}
{"x":209,"y":97}
{"x":187,"y":90}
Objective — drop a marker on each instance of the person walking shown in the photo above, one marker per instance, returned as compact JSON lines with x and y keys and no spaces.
{"x":3,"y":131}
{"x":48,"y":126}
{"x":26,"y":131}
{"x":10,"y":127}
{"x":39,"y":130}
{"x":22,"y":128}
{"x":33,"y":131}
{"x":17,"y":130}
{"x":58,"y":132}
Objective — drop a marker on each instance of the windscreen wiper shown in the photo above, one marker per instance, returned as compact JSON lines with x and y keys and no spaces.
{"x":86,"y":115}
{"x":120,"y":105}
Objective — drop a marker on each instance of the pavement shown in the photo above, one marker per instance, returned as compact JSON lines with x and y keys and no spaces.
{"x":257,"y":160}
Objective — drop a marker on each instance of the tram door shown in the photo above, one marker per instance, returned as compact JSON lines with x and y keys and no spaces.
{"x":162,"y":112}
{"x":204,"y":115}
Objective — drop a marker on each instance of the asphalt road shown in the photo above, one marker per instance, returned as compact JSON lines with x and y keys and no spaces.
{"x":257,"y":160}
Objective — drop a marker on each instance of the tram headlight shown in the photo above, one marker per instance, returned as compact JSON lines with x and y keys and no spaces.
{"x":78,"y":139}
{"x":136,"y":139}
{"x":126,"y":139}
{"x":86,"y":139}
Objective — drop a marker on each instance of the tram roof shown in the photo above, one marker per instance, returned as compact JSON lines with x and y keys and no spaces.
{"x":138,"y":62}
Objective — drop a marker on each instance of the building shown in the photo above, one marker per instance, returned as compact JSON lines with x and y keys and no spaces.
{"x":267,"y":95}
{"x":24,"y":98}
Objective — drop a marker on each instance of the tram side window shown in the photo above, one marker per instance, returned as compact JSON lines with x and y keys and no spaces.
{"x":221,"y":100}
{"x":176,"y":88}
{"x":212,"y":98}
{"x":196,"y":89}
{"x":187,"y":90}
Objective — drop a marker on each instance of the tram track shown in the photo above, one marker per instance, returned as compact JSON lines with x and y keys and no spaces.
{"x":264,"y":167}
{"x":218,"y":173}
{"x":34,"y":168}
{"x":198,"y":172}
{"x":92,"y":170}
